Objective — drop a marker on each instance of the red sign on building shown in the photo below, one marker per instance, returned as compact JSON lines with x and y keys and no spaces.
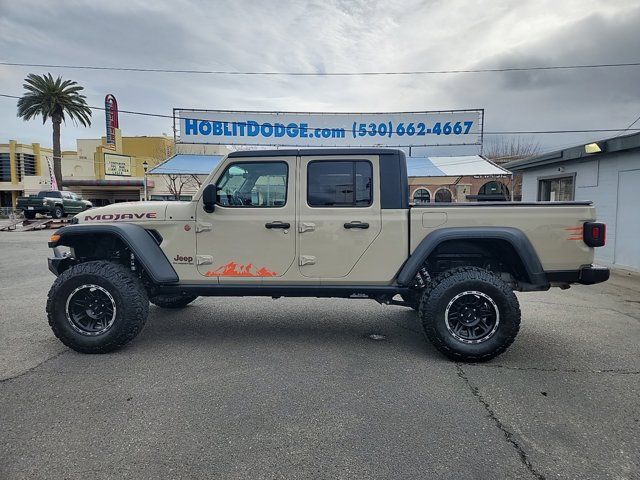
{"x":111,"y":117}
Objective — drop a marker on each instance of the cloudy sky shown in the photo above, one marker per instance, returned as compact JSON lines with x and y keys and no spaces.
{"x":329,"y":36}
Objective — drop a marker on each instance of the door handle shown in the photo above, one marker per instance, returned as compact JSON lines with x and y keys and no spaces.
{"x":361,"y":225}
{"x":283,"y":225}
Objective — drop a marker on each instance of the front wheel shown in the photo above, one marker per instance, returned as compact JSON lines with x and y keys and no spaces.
{"x":470,"y":314}
{"x":172,"y":301}
{"x":97,"y":307}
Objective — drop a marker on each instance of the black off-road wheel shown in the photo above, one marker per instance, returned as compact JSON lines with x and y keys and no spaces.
{"x":470,"y":314}
{"x":97,"y":307}
{"x":172,"y":301}
{"x":57,"y":213}
{"x":29,"y":215}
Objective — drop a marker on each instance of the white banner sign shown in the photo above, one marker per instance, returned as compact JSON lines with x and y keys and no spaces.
{"x":117,"y":165}
{"x":459,"y":127}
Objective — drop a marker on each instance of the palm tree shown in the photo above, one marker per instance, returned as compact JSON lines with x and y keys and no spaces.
{"x":54,"y":99}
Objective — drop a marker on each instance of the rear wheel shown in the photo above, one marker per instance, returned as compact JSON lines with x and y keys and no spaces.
{"x":470,"y":314}
{"x":97,"y":307}
{"x":57,"y":212}
{"x":172,"y":301}
{"x":29,"y":215}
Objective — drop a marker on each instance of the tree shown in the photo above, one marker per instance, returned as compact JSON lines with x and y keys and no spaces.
{"x":54,"y":99}
{"x":507,"y":149}
{"x":176,"y":183}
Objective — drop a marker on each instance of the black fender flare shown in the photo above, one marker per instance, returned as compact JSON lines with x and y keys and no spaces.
{"x":515,"y":237}
{"x":136,"y":238}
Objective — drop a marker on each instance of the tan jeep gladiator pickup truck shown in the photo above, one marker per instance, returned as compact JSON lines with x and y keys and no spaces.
{"x":319,"y":223}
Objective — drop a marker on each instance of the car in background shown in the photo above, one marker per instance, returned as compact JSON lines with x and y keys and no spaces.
{"x":55,"y":203}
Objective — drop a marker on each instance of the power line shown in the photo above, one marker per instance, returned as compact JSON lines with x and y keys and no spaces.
{"x":505,"y":132}
{"x":324,"y":74}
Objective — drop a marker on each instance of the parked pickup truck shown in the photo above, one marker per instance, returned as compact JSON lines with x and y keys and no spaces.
{"x":319,"y":223}
{"x":55,"y":203}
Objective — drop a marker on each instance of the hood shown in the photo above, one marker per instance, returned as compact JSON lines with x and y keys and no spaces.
{"x":125,"y":212}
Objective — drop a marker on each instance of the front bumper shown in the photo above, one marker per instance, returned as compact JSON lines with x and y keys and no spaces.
{"x":593,"y":274}
{"x":59,"y":262}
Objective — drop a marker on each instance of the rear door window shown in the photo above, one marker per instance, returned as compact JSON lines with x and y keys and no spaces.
{"x":335,"y":183}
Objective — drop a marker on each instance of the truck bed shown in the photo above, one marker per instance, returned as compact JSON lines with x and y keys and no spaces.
{"x":553,"y":228}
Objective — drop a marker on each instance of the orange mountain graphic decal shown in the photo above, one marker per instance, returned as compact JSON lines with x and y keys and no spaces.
{"x":233,"y":269}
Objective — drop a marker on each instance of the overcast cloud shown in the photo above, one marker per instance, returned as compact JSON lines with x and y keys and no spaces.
{"x":334,"y":35}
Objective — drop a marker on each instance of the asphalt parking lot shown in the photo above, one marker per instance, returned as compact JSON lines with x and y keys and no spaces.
{"x":296,"y":388}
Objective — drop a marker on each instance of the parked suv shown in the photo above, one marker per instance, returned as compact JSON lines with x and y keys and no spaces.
{"x":319,"y":223}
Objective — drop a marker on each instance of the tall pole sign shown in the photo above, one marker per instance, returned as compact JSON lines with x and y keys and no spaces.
{"x":111,"y":117}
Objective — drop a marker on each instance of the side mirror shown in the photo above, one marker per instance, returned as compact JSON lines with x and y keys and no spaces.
{"x":209,"y":197}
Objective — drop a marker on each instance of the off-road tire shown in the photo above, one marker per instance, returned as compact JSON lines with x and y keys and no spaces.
{"x":172,"y":301}
{"x":57,"y":212}
{"x":127,"y":292}
{"x":29,"y":215}
{"x":444,"y":288}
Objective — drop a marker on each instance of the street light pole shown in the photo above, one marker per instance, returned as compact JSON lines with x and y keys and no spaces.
{"x":145,"y":166}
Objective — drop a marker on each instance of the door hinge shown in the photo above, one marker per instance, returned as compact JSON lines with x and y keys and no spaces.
{"x":203,"y":227}
{"x":204,"y":259}
{"x":306,"y":227}
{"x":307,"y":260}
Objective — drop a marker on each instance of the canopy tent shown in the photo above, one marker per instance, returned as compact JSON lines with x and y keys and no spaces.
{"x":452,"y":166}
{"x":183,"y":164}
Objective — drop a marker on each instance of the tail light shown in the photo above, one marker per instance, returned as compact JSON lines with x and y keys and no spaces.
{"x":594,"y":234}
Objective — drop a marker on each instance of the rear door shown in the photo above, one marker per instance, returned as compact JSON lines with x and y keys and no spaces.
{"x":339,"y":213}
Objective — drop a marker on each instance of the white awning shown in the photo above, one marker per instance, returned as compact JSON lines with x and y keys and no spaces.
{"x":452,"y":166}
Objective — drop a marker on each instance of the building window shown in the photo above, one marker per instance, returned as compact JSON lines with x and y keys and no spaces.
{"x":26,"y":165}
{"x":421,"y":196}
{"x":339,"y":184}
{"x":494,"y":189}
{"x":5,"y":167}
{"x":256,"y":184}
{"x":443,"y":195}
{"x":559,"y":189}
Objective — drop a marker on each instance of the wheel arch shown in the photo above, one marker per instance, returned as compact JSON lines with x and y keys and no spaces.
{"x":139,"y":241}
{"x":518,"y":243}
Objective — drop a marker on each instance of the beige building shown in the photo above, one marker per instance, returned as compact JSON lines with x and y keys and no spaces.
{"x":24,"y":169}
{"x":100,"y":173}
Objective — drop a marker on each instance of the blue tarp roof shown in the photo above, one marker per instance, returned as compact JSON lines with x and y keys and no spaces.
{"x":187,"y":165}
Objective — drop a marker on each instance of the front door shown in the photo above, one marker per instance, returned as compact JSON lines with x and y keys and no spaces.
{"x":339,"y":214}
{"x":249,"y":237}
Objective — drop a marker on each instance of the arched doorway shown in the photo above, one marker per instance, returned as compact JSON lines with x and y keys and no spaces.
{"x":493,"y":191}
{"x":421,"y":196}
{"x":443,"y":195}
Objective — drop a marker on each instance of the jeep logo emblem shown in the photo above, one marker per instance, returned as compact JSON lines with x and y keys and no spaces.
{"x":179,"y":259}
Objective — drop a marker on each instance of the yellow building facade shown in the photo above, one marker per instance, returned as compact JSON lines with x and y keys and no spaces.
{"x":97,"y":171}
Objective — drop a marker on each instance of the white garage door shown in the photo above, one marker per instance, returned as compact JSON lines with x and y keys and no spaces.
{"x":627,"y":248}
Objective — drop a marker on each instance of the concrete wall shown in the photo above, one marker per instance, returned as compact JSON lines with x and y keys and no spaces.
{"x":596,"y":180}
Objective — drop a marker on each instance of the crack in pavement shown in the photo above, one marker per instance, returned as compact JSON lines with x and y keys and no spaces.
{"x":615,"y":371}
{"x":492,"y":415}
{"x":29,"y":370}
